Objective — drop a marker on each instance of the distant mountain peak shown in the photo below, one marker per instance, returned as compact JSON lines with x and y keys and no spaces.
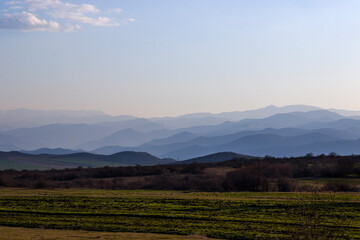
{"x":270,"y":107}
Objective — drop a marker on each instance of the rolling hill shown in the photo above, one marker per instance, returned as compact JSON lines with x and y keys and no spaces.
{"x":216,"y":157}
{"x":17,"y":160}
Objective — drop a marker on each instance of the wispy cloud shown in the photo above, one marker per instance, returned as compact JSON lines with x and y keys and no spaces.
{"x":27,"y":22}
{"x":72,"y":16}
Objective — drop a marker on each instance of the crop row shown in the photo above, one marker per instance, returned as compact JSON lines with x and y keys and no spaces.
{"x":231,"y":219}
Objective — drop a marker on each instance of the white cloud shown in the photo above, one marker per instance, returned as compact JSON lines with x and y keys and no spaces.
{"x":74,"y":12}
{"x":71,"y":15}
{"x":27,"y":22}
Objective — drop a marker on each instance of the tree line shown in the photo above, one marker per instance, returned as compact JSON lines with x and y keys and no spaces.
{"x":265,"y":174}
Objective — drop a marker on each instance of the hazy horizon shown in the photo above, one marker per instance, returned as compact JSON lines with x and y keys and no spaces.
{"x":97,"y":111}
{"x":167,"y":58}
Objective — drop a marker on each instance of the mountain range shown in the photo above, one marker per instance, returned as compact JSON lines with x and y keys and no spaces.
{"x":277,"y":131}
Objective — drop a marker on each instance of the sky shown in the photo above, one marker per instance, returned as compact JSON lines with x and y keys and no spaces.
{"x":168,"y":57}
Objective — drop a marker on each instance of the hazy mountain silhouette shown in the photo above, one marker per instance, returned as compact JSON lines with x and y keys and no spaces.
{"x":205,"y":145}
{"x":26,"y":118}
{"x":248,"y":145}
{"x":196,"y":119}
{"x":57,"y":135}
{"x":272,"y":140}
{"x":177,"y":138}
{"x":284,"y":120}
{"x":185,"y":122}
{"x":138,"y":124}
{"x":345,"y":124}
{"x":127,"y":138}
{"x":72,"y":135}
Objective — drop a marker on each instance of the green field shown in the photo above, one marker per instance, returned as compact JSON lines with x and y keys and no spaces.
{"x":218,"y":215}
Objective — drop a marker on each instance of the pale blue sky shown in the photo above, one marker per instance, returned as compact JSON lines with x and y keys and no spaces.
{"x":157,"y":58}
